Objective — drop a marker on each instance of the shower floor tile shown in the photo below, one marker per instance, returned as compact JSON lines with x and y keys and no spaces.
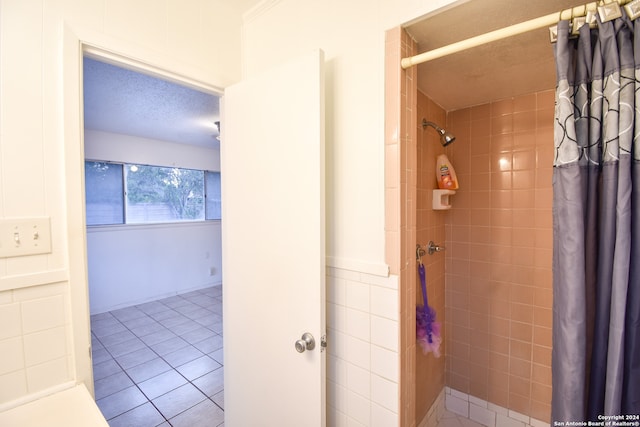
{"x":160,"y":363}
{"x":450,"y":419}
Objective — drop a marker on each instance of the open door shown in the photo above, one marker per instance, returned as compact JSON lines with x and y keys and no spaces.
{"x":273,"y":215}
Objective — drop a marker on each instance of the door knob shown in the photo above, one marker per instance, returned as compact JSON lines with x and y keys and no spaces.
{"x":307,"y":342}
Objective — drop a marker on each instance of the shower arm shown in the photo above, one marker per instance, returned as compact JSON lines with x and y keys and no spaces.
{"x":426,"y":123}
{"x":446,"y":138}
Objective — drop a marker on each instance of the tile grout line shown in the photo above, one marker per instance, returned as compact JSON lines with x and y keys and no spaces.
{"x":135,"y":383}
{"x":173,"y":309}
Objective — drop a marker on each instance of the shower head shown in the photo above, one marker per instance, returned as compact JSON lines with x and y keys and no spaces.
{"x":446,"y":138}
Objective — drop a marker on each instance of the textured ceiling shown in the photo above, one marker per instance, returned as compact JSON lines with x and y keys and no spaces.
{"x":123,"y":101}
{"x":126,"y":102}
{"x":510,"y":67}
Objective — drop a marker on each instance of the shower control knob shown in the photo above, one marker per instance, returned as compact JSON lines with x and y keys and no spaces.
{"x":307,"y":342}
{"x":432,"y":247}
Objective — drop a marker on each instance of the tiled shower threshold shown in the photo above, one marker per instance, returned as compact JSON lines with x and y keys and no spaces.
{"x":456,"y":409}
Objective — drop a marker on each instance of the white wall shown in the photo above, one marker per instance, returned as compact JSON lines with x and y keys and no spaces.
{"x":107,"y":146}
{"x":195,"y":38}
{"x":352,"y":36}
{"x":131,"y":264}
{"x":46,"y":345}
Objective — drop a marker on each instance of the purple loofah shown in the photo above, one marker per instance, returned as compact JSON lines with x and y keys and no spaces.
{"x":427,"y":329}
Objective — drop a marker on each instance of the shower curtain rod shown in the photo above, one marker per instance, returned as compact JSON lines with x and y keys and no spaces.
{"x":503,"y":33}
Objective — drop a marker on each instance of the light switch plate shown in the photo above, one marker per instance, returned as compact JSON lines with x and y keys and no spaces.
{"x":24,"y":236}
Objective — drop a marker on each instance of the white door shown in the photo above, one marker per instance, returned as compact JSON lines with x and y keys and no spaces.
{"x":272,"y":163}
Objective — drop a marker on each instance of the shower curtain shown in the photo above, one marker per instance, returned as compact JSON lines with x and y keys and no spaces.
{"x":596,"y":259}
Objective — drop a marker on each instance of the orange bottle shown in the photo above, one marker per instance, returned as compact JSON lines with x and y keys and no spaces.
{"x":445,"y":174}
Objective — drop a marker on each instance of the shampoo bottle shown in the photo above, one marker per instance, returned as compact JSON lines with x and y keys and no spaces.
{"x":445,"y":174}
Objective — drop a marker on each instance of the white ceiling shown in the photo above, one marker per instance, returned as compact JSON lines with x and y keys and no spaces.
{"x":122,"y":101}
{"x":514,"y":66}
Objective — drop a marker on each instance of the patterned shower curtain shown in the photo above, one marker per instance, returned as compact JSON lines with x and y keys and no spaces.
{"x":596,"y":187}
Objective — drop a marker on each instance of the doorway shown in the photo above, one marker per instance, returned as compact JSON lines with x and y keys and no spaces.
{"x":154,"y":277}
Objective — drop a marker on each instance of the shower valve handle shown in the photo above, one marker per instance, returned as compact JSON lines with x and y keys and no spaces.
{"x":432,"y":247}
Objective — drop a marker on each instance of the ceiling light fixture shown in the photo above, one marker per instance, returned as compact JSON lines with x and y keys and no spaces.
{"x":218,"y":128}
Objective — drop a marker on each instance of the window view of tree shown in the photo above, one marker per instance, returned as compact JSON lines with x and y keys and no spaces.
{"x":162,"y":194}
{"x":153,"y":194}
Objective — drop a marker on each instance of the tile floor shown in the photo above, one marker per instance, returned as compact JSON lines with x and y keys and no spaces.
{"x":160,"y":363}
{"x":450,"y":419}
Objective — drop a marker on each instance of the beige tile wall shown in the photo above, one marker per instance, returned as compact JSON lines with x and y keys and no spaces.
{"x":430,"y":371}
{"x":499,"y":251}
{"x":400,"y":196}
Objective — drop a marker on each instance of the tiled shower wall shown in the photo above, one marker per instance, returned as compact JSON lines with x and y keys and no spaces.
{"x":499,"y":254}
{"x":430,"y":371}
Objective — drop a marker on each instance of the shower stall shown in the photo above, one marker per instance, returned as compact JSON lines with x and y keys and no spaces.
{"x":516,"y":146}
{"x":491,"y":287}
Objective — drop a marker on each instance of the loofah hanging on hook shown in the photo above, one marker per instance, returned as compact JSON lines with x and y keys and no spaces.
{"x":427,"y":329}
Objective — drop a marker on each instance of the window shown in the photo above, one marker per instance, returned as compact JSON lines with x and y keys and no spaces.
{"x":157,"y":194}
{"x":149,"y":194}
{"x":212,"y":190}
{"x":104,"y":193}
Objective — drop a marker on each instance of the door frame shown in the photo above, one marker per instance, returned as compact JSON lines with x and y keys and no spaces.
{"x":75,"y":47}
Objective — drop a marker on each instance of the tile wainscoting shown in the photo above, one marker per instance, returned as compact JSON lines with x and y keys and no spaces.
{"x":363,"y":354}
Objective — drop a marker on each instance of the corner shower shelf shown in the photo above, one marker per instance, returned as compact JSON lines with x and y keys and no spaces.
{"x":441,"y":199}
